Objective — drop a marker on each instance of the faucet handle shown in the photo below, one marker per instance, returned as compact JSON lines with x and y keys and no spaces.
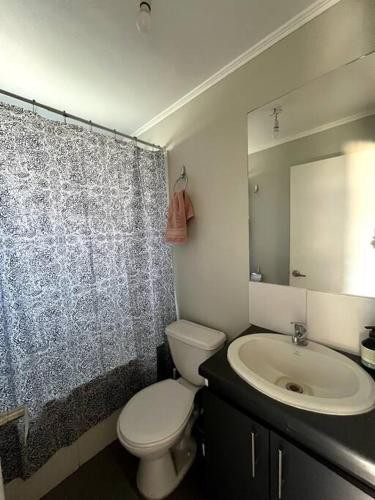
{"x":299,"y":326}
{"x":300,"y":333}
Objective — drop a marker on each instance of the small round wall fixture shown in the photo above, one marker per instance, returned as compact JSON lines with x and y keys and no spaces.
{"x":144,"y":22}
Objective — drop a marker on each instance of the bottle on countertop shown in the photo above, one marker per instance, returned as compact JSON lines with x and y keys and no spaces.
{"x":368,"y":349}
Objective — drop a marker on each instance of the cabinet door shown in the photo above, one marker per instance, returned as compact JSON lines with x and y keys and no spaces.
{"x":295,"y":475}
{"x":237,"y":453}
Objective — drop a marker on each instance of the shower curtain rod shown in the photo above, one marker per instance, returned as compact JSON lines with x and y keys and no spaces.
{"x":35,"y":103}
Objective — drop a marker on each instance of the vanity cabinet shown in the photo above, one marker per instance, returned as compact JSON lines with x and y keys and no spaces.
{"x":237,"y":457}
{"x":295,"y":475}
{"x":247,"y":461}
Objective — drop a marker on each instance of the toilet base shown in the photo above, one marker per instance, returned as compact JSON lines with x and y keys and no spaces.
{"x":158,"y":477}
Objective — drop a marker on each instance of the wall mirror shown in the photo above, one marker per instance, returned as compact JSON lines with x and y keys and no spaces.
{"x":311,"y":166}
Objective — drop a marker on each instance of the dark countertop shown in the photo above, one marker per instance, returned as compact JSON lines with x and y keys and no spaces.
{"x":347,"y":442}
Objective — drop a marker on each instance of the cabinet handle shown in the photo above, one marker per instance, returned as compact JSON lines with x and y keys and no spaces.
{"x":252,"y":454}
{"x":280,"y":476}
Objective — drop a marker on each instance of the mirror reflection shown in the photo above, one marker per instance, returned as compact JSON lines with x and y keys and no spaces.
{"x":311,"y":171}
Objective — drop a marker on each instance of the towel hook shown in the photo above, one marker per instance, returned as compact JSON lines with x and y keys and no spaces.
{"x":183,"y":177}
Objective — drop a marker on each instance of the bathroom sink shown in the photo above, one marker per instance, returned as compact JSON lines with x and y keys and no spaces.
{"x":310,"y":377}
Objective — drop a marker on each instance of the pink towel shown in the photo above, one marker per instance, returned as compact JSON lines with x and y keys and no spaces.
{"x":179,"y":212}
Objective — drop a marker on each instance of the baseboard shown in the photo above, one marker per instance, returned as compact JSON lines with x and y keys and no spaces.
{"x":64,"y":462}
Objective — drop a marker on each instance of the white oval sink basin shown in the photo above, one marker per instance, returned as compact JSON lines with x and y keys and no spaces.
{"x":311,"y":377}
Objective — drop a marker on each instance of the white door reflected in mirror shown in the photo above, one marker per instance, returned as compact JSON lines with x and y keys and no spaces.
{"x":332,"y":217}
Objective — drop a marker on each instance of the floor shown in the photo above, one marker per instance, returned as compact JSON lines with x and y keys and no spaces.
{"x":110,"y":475}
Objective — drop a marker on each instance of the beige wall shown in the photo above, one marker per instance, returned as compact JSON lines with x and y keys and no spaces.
{"x":209,"y":136}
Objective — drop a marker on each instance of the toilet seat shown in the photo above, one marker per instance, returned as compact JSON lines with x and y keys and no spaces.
{"x":156,"y":414}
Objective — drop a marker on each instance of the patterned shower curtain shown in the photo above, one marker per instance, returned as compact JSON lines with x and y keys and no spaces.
{"x":86,"y":280}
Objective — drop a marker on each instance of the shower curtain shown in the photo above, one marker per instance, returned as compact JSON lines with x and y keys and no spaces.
{"x":86,"y":281}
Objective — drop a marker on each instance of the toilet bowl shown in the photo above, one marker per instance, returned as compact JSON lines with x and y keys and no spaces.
{"x":150,"y":426}
{"x":155,"y":425}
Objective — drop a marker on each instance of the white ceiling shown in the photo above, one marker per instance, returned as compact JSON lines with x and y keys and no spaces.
{"x":342,"y":95}
{"x":86,"y":56}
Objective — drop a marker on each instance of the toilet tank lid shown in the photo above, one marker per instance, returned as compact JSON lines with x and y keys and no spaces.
{"x":196,"y":335}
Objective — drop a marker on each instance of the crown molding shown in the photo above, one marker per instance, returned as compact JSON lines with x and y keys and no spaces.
{"x":286,"y":29}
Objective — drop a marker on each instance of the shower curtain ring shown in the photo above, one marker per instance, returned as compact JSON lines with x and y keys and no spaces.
{"x":33,"y":105}
{"x":64,"y":113}
{"x":115,"y":133}
{"x":90,"y":126}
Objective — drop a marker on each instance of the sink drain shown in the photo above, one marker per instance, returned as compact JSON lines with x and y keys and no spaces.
{"x":291,"y":386}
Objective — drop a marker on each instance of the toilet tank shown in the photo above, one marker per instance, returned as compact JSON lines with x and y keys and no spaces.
{"x":191,"y":344}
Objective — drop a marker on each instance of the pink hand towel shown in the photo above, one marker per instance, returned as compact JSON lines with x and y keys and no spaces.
{"x":179,"y":212}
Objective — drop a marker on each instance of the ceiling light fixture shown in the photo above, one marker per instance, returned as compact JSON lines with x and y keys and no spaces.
{"x":276,"y":122}
{"x":144,"y":17}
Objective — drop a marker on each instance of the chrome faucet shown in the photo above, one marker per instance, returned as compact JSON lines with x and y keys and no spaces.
{"x":300,"y":333}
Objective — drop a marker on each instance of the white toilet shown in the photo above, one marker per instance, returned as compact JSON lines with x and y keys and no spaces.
{"x":155,"y":425}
